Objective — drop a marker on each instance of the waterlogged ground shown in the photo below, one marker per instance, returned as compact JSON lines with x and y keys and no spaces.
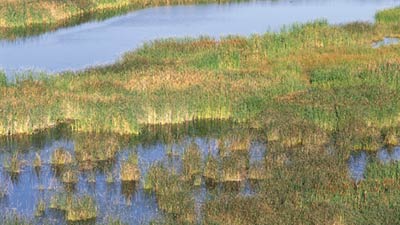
{"x":385,"y":42}
{"x":158,"y":147}
{"x":115,"y":199}
{"x":358,"y":161}
{"x":104,"y":42}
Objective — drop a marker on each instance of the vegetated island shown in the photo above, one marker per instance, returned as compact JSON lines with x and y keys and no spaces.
{"x":312,"y":81}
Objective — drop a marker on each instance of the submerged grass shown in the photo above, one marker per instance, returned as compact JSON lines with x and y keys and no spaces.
{"x":305,"y":184}
{"x":309,"y":82}
{"x":76,"y":208}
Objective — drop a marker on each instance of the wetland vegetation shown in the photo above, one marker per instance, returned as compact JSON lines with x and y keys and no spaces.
{"x":196,"y":173}
{"x":296,"y":127}
{"x":19,"y":18}
{"x":311,"y":81}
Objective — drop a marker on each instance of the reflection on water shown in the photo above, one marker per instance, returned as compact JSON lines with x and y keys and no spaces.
{"x":384,"y":156}
{"x":357,"y":166}
{"x":103,"y":42}
{"x":385,"y":42}
{"x":358,"y":161}
{"x":196,"y":162}
{"x":98,"y":176}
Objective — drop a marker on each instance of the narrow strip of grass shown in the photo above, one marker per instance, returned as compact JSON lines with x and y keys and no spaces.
{"x":29,"y":17}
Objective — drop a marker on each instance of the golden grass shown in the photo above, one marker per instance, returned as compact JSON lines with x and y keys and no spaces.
{"x":61,"y":157}
{"x":309,"y":83}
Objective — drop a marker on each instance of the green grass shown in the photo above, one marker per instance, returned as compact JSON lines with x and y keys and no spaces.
{"x":388,"y":16}
{"x":309,"y":82}
{"x":76,"y":208}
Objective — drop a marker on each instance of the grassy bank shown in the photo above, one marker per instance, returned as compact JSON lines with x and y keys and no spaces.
{"x":312,"y":81}
{"x":28,"y":17}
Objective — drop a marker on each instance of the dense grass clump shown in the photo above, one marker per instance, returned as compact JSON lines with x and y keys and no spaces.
{"x":3,"y":79}
{"x":388,"y":15}
{"x":192,"y":162}
{"x":61,"y":157}
{"x":95,"y":148}
{"x":130,"y":169}
{"x":76,"y":208}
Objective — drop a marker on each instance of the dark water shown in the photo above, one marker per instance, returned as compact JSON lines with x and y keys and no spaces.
{"x":104,"y":42}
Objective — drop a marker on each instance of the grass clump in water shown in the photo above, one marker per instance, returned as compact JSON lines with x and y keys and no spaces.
{"x":81,"y":209}
{"x":241,"y":143}
{"x":70,"y":176}
{"x":96,"y":148}
{"x":211,"y":169}
{"x":37,"y":162}
{"x":130,"y":169}
{"x":192,"y":162}
{"x":234,"y":167}
{"x":40,"y":208}
{"x":258,"y":171}
{"x":61,"y":157}
{"x":76,"y":208}
{"x":13,"y":164}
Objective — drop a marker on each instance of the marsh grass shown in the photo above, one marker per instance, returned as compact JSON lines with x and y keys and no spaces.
{"x":30,"y":17}
{"x":192,"y":162}
{"x":234,"y":167}
{"x":82,"y":209}
{"x":258,"y":171}
{"x":40,"y":208}
{"x":130,"y":169}
{"x":310,"y":83}
{"x":391,"y":137}
{"x":13,"y":164}
{"x":76,"y":208}
{"x":212,"y":169}
{"x":70,"y":176}
{"x":96,"y":148}
{"x":308,"y":86}
{"x":3,"y":79}
{"x":388,"y":15}
{"x":14,"y":219}
{"x":302,"y":184}
{"x":239,"y":143}
{"x":37,"y":162}
{"x":5,"y":188}
{"x":61,"y":157}
{"x":109,"y":177}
